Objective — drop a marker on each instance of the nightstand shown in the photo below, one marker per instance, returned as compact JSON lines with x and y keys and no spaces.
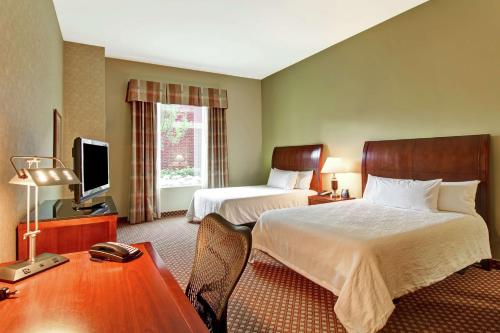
{"x":321,"y":199}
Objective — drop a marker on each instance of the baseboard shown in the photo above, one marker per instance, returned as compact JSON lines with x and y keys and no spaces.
{"x":174,"y":213}
{"x":122,"y":219}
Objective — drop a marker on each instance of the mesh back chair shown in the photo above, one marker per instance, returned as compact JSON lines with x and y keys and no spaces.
{"x":222,"y":252}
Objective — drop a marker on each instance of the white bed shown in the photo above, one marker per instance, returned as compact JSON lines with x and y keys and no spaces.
{"x":242,"y":205}
{"x":366,"y":251}
{"x":368,"y":254}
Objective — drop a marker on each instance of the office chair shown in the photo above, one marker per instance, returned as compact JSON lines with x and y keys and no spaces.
{"x":222,"y":252}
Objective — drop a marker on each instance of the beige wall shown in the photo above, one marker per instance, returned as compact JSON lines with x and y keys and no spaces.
{"x":84,"y":96}
{"x":31,"y":85}
{"x":243,"y":124}
{"x":179,"y":198}
{"x":433,"y":71}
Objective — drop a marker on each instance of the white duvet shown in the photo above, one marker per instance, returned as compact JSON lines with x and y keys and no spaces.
{"x":244,"y":204}
{"x":368,"y":255}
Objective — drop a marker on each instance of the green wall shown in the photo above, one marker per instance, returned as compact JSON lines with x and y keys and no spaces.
{"x":432,"y":71}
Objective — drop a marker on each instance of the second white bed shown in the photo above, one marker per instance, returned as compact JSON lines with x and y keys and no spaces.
{"x":369,"y":254}
{"x":244,"y":204}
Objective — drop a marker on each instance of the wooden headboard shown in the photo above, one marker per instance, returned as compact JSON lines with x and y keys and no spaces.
{"x":301,"y":158}
{"x":455,"y":158}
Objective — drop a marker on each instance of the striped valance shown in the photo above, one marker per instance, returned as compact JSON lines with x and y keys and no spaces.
{"x":171,"y":93}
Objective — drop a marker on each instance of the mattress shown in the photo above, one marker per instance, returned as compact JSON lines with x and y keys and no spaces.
{"x":244,"y":204}
{"x":368,"y":254}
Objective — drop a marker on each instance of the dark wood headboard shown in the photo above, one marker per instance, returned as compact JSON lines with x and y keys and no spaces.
{"x":455,"y":158}
{"x":301,"y":158}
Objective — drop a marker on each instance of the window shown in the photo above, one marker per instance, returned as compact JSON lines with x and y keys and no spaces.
{"x":182,"y":143}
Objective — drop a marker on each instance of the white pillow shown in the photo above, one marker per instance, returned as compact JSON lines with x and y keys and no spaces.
{"x":282,"y":179}
{"x":458,"y":197}
{"x":403,"y":193}
{"x":304,"y":180}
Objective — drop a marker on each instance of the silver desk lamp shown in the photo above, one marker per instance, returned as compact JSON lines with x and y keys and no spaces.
{"x":34,"y":176}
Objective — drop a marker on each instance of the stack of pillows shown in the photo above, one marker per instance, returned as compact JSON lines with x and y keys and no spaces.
{"x":430,"y":195}
{"x":289,"y":180}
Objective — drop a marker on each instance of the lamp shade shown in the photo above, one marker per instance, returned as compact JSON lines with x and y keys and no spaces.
{"x":334,"y":165}
{"x":46,"y":177}
{"x":27,"y":181}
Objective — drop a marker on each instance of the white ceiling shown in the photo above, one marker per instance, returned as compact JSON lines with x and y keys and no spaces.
{"x":249,"y":38}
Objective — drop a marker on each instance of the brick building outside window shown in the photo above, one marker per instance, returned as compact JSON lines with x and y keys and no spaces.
{"x":182,"y":131}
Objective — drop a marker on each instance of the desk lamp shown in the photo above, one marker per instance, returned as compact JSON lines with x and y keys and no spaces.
{"x":34,"y":176}
{"x":333,"y":165}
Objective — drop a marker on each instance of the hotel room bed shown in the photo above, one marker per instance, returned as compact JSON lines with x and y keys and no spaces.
{"x":244,"y":205}
{"x":369,"y":254}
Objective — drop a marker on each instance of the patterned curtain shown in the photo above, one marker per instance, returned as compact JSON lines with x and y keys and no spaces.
{"x":143,"y":96}
{"x":172,"y":93}
{"x":217,"y":174}
{"x":144,"y":196}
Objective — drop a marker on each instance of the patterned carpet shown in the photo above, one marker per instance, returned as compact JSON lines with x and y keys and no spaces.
{"x":273,"y":298}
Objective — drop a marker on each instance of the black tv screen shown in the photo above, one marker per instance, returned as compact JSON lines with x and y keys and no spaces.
{"x":91,"y":165}
{"x":95,"y":166}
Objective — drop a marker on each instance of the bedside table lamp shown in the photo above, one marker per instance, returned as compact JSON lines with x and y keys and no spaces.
{"x":34,"y":176}
{"x":333,"y":165}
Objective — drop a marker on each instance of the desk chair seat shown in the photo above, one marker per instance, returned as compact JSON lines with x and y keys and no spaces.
{"x":222,"y":252}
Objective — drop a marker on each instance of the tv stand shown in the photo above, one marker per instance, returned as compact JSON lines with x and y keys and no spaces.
{"x":65,"y":229}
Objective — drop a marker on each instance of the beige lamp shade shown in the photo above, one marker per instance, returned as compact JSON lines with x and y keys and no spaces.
{"x":334,"y":165}
{"x":16,"y":180}
{"x":46,"y":177}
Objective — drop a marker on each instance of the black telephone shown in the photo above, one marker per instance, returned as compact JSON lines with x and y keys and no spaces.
{"x":114,"y":252}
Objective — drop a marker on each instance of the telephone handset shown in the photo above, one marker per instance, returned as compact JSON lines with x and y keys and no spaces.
{"x":114,"y":252}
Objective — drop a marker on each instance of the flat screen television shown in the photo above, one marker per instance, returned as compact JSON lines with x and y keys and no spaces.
{"x":91,"y":165}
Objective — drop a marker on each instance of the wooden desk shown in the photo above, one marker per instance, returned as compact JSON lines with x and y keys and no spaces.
{"x":88,"y":296}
